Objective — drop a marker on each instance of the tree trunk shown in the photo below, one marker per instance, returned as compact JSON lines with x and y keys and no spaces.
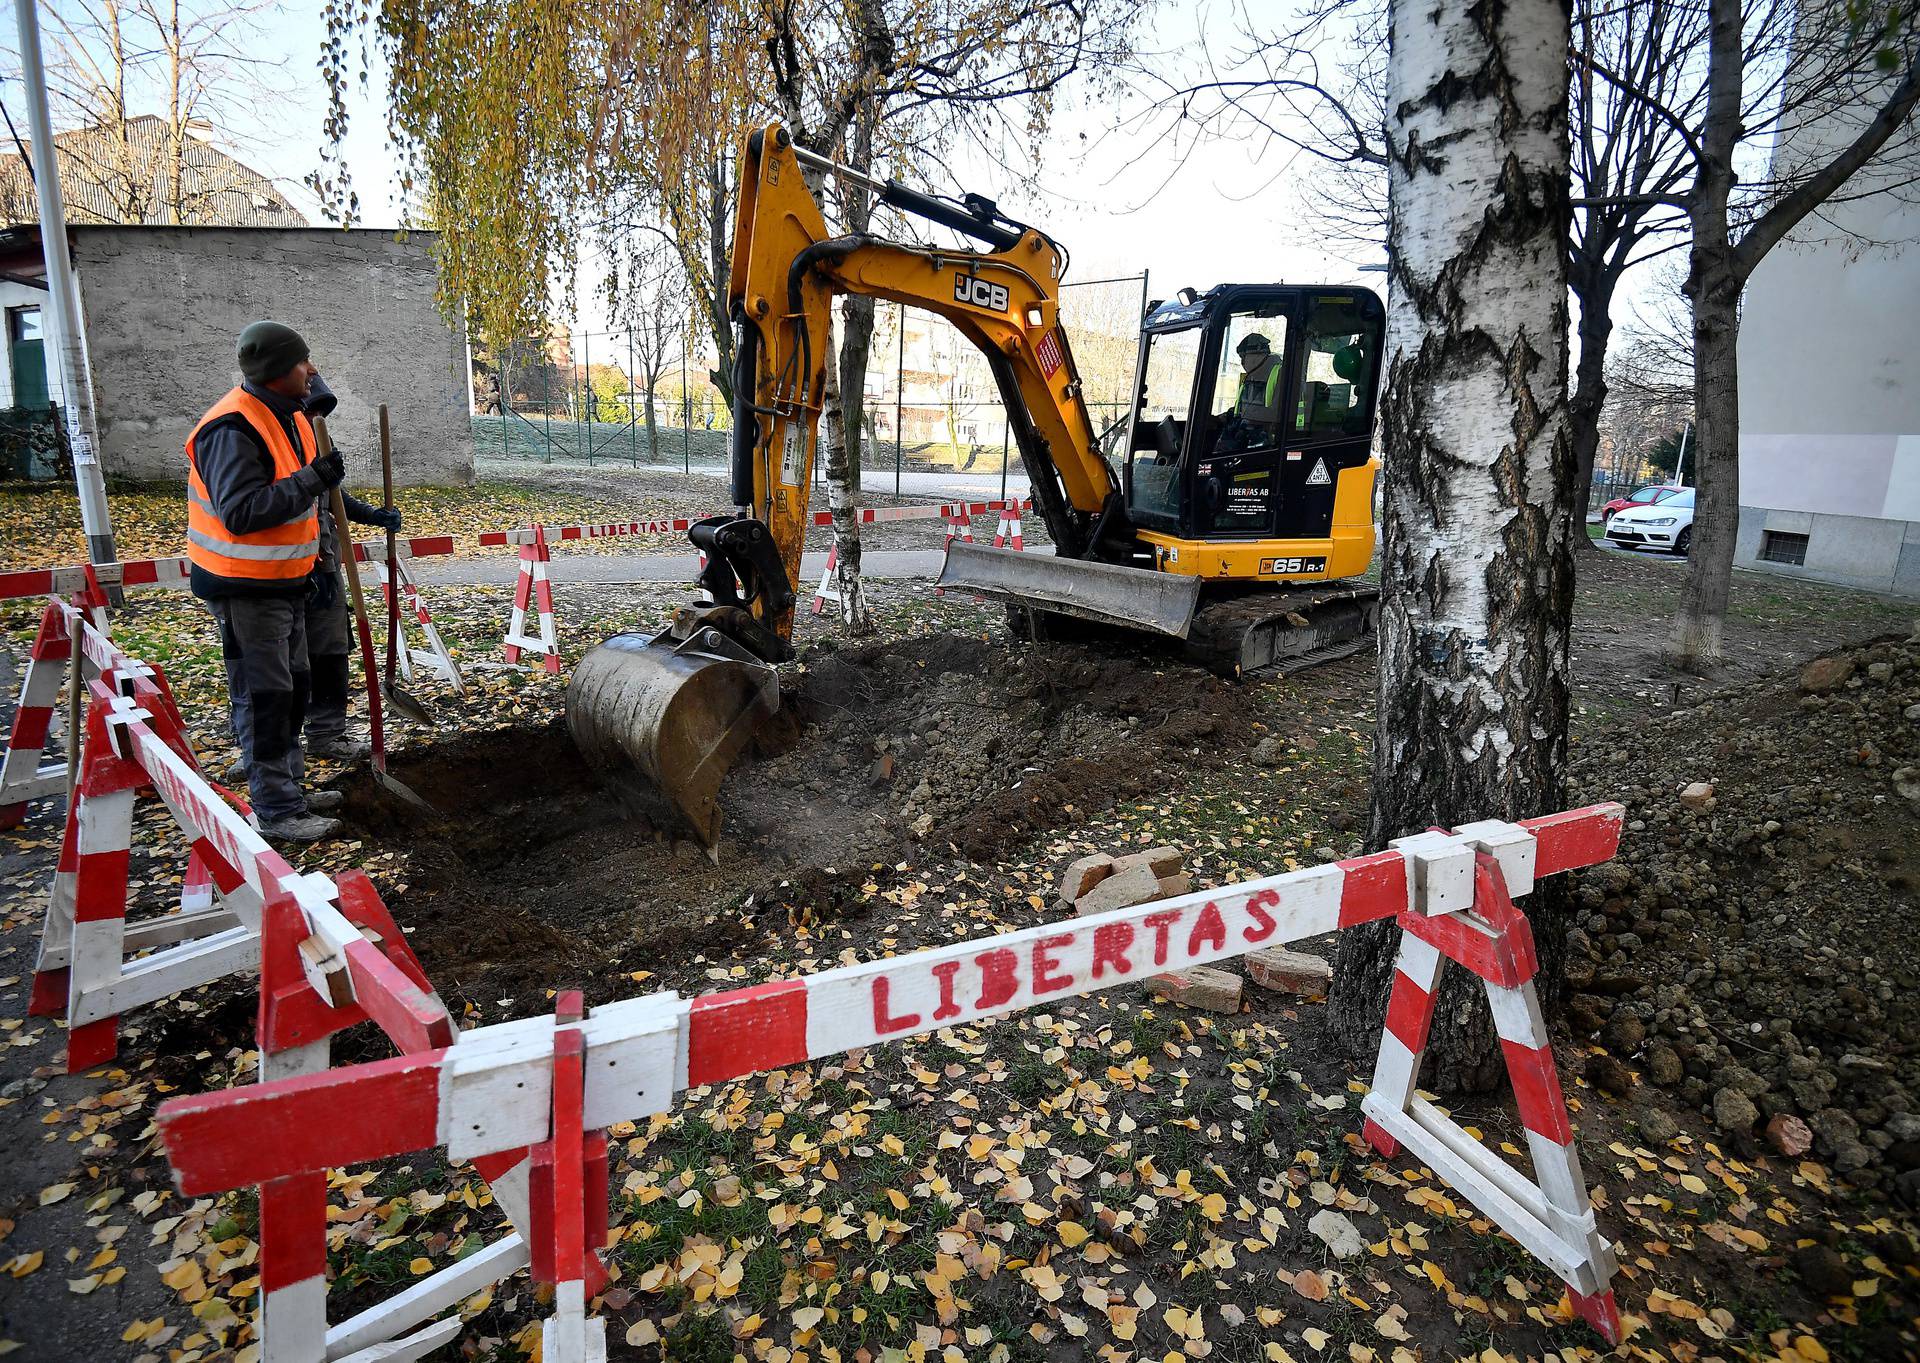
{"x":1713,"y":288}
{"x":843,"y":498}
{"x":1589,"y":396}
{"x":1477,"y":564}
{"x":719,"y":260}
{"x":653,"y":427}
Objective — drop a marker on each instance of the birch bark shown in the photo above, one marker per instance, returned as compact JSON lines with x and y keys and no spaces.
{"x":1476,"y":565}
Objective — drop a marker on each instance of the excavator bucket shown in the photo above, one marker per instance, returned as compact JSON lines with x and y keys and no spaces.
{"x":680,"y":711}
{"x":1103,"y":592}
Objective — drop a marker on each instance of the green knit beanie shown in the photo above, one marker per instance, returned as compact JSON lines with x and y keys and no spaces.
{"x":268,"y":350}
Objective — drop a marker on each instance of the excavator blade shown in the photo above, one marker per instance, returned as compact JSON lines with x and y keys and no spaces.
{"x":678,"y":711}
{"x":1105,"y":592}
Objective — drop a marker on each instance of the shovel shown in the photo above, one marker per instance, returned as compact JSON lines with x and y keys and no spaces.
{"x":376,"y":731}
{"x":398,"y":700}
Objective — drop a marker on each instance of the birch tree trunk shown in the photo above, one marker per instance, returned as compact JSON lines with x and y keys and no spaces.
{"x":843,"y":501}
{"x":1477,"y":564}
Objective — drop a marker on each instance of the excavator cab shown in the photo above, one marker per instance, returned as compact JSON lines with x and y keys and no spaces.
{"x":1250,"y":402}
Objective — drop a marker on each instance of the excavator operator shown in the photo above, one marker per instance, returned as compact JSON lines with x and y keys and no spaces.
{"x":1260,"y":381}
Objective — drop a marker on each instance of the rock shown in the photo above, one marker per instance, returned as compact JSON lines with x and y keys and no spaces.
{"x":1623,"y":1034}
{"x":882,"y":770}
{"x":1200,"y":986}
{"x":1879,"y":672}
{"x":1904,"y":1126}
{"x":1734,"y":1112}
{"x":1825,"y":674}
{"x":1608,"y":1074}
{"x":1583,"y":1018}
{"x":1697,"y":795}
{"x":1788,"y":1135}
{"x":1656,"y":1127}
{"x":1162,"y":861}
{"x":1664,"y":1067}
{"x":1337,"y":1233}
{"x":1173,"y":886}
{"x":1084,"y":874}
{"x":1289,"y":972}
{"x":1269,"y":752}
{"x":1120,"y":890}
{"x":1822,"y":1270}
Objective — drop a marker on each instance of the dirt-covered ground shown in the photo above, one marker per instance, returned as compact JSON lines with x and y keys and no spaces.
{"x":1110,"y":1178}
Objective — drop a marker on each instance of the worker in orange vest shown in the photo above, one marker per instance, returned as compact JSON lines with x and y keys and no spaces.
{"x":253,"y":541}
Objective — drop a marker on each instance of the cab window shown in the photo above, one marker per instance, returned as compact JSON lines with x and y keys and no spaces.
{"x":1338,"y":373}
{"x":1249,"y":390}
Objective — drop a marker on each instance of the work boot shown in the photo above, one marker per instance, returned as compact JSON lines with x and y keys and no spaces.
{"x":324,"y":801}
{"x":235,"y":773}
{"x":340,"y":749}
{"x":296,"y":827}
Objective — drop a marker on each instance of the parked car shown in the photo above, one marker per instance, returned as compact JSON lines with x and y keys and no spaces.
{"x":1665,"y":524}
{"x":1640,"y":496}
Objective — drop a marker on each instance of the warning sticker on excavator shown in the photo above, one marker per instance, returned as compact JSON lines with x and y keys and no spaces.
{"x":1048,"y":353}
{"x":1319,"y":477}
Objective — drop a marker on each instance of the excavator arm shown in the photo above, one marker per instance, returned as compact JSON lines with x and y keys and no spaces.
{"x":786,"y":270}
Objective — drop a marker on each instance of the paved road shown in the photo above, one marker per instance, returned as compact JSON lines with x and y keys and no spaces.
{"x":921,"y":482}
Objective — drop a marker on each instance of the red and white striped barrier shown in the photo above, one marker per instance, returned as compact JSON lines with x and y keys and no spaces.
{"x":534,"y":587}
{"x":1008,"y":535}
{"x":543,"y":1082}
{"x":67,"y":581}
{"x":434,"y":657}
{"x":23,"y":776}
{"x":959,"y":527}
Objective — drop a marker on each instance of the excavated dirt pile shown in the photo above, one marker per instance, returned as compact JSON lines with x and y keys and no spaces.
{"x":1754,"y":947}
{"x":537,"y":869}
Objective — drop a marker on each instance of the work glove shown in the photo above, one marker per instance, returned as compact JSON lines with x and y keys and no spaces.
{"x":330,"y":468}
{"x":386,"y":518}
{"x":323,"y":588}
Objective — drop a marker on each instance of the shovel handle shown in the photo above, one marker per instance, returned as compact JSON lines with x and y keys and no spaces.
{"x":367,"y":663}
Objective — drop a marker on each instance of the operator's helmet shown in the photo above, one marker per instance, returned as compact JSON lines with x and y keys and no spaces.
{"x":1253,"y":343}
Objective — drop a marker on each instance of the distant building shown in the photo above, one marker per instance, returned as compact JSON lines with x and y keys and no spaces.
{"x":126,"y":174}
{"x":1830,"y":397}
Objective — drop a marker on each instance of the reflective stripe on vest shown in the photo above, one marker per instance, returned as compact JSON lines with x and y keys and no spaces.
{"x":278,"y":553}
{"x":1250,"y":403}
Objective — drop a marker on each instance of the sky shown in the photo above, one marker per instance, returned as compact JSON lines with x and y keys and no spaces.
{"x":1227,"y":211}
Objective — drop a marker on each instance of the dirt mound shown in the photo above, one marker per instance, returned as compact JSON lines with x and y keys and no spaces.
{"x":1753,"y":948}
{"x":535,"y":872}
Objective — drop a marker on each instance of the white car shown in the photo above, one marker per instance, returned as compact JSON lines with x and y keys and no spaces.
{"x":1664,"y":525}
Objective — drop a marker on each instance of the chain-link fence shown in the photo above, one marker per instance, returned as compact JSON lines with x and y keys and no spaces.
{"x":931,"y":405}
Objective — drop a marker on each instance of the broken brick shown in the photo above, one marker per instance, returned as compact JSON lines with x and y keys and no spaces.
{"x":1084,"y":874}
{"x":1289,"y":972}
{"x":1121,"y":890}
{"x":1163,"y":861}
{"x":1199,"y":986}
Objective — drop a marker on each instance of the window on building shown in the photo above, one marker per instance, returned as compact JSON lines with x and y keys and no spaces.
{"x":1783,"y":546}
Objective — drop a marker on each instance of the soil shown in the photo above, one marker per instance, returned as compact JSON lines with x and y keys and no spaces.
{"x":1753,"y":948}
{"x":969,"y":745}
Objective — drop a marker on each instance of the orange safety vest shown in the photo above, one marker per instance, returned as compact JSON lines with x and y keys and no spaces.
{"x":279,"y":553}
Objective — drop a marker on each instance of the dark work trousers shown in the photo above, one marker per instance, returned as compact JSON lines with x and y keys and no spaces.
{"x":329,"y":650}
{"x":263,"y":641}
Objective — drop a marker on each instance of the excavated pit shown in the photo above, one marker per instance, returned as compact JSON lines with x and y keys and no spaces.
{"x":536,"y":872}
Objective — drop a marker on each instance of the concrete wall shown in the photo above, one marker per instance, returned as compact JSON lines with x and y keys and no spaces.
{"x":164,"y":305}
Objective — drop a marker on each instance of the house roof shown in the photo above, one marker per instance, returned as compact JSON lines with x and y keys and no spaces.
{"x":112,"y":174}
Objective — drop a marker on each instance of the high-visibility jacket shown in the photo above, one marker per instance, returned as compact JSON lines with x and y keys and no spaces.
{"x":279,"y":553}
{"x":1260,"y":391}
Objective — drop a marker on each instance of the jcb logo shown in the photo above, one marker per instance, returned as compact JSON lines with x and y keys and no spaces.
{"x":979,"y":292}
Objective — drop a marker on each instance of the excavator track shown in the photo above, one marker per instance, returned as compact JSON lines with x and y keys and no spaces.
{"x":1282,"y":630}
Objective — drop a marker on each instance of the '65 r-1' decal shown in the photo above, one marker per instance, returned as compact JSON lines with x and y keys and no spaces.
{"x":980,"y":292}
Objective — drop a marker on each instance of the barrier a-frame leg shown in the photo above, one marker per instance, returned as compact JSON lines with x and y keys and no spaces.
{"x":1551,"y":1215}
{"x":434,"y":656}
{"x":22,"y":777}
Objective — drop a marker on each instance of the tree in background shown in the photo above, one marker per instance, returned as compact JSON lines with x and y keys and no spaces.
{"x":194,"y":66}
{"x":1476,"y":560}
{"x":650,"y":300}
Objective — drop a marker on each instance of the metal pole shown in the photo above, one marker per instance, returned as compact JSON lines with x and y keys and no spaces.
{"x":546,"y":400}
{"x":633,"y":411}
{"x":586,"y":388}
{"x":63,"y":298}
{"x":899,"y":382}
{"x":1680,"y":464}
{"x":686,"y":412}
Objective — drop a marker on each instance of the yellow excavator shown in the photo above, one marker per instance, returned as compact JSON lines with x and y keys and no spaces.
{"x":1240,"y":511}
